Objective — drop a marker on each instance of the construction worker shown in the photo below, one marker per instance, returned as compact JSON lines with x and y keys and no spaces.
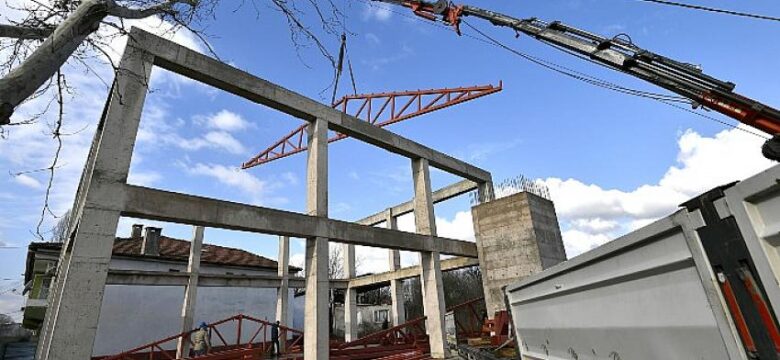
{"x":201,"y":343}
{"x":275,"y":338}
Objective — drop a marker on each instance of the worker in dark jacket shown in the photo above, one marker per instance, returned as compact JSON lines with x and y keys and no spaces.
{"x":275,"y":338}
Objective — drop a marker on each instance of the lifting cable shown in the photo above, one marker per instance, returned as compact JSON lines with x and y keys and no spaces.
{"x":670,"y":100}
{"x":665,"y":99}
{"x":715,"y":10}
{"x":339,"y":67}
{"x":343,"y":54}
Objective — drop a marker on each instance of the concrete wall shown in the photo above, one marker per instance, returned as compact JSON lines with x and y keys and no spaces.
{"x":517,"y":236}
{"x":136,"y":315}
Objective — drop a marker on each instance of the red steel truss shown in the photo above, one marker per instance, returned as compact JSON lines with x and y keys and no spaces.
{"x":255,"y":344}
{"x":380,"y":109}
{"x":407,"y":341}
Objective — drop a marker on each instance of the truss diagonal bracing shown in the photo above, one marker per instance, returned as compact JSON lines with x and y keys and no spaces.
{"x":380,"y":109}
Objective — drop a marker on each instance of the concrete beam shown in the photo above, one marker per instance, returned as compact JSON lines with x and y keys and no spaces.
{"x":443,"y":194}
{"x":186,"y":62}
{"x":153,"y":204}
{"x":409,"y":272}
{"x":159,"y":278}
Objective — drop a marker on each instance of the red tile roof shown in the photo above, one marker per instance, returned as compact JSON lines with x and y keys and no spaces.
{"x":179,"y":250}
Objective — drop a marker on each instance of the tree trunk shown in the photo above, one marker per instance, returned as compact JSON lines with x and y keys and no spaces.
{"x":43,"y":63}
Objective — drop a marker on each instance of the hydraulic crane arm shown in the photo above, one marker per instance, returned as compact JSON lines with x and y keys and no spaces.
{"x":619,"y":54}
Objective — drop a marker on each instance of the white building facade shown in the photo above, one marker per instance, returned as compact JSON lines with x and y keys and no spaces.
{"x":134,"y":315}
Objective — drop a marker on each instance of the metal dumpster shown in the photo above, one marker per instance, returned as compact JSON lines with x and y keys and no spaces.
{"x":701,"y":283}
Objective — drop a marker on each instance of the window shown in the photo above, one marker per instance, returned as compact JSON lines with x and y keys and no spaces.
{"x":45,"y":285}
{"x":380,"y":316}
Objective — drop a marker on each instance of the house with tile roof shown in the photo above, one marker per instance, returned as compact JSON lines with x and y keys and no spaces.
{"x":132,"y":315}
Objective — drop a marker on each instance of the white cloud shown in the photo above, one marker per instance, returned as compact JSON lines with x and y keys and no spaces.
{"x":377,"y":63}
{"x":156,"y":121}
{"x":28,"y":181}
{"x":371,"y":260}
{"x":143,"y":178}
{"x":158,"y":27}
{"x":377,"y":11}
{"x":373,"y":38}
{"x":290,"y":178}
{"x":211,"y":140}
{"x":577,"y":242}
{"x":223,"y":140}
{"x":298,"y":259}
{"x":595,"y":226}
{"x":482,"y":151}
{"x":234,"y":177}
{"x":340,"y":208}
{"x":11,"y":304}
{"x":591,"y":215}
{"x":82,"y":112}
{"x":406,"y":222}
{"x":226,"y":120}
{"x":460,"y":227}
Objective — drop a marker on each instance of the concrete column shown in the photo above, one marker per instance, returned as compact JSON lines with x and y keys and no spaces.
{"x":190,"y":291}
{"x":517,"y":236}
{"x":397,"y":313}
{"x":283,"y":292}
{"x":316,"y":326}
{"x":350,"y":295}
{"x":485,"y":192}
{"x":74,"y":307}
{"x":430,"y":264}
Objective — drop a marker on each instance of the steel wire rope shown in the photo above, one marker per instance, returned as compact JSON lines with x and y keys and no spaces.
{"x":659,"y":99}
{"x":715,"y":10}
{"x":669,"y":100}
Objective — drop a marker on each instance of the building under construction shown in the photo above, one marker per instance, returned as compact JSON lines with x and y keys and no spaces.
{"x":522,"y":226}
{"x":700,"y":283}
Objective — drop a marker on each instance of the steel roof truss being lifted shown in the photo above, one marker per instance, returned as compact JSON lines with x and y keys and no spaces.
{"x":380,"y":109}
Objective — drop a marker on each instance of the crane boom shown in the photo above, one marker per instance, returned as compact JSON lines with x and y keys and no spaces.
{"x":622,"y":55}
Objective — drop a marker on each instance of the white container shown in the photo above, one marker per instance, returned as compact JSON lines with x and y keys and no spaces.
{"x":653,"y":294}
{"x":755,"y":204}
{"x":649,"y":295}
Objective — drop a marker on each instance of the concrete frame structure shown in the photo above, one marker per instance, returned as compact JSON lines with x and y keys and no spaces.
{"x":104,"y":196}
{"x":396,"y":275}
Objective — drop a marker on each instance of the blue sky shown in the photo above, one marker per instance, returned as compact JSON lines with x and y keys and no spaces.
{"x":613,"y":162}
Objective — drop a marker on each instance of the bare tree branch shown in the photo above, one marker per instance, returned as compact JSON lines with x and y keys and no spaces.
{"x":68,"y":36}
{"x":53,"y":32}
{"x":124,"y":12}
{"x":58,"y":137}
{"x":24,"y":33}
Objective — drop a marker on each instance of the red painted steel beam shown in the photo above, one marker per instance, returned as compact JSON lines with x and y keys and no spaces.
{"x":380,"y":109}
